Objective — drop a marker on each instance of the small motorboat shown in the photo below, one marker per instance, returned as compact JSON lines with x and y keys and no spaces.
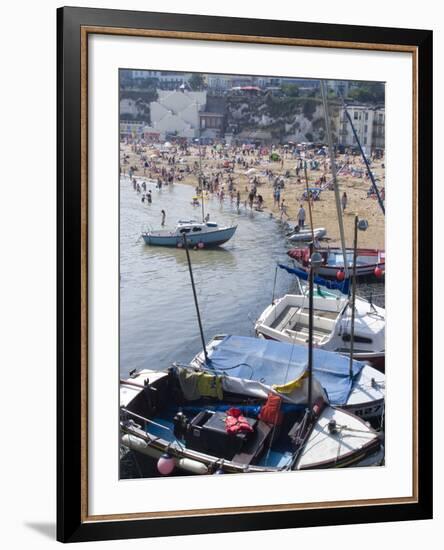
{"x":369,"y":261}
{"x":203,"y":423}
{"x":280,"y":364}
{"x":307,"y":234}
{"x":287,"y":319}
{"x":200,"y":234}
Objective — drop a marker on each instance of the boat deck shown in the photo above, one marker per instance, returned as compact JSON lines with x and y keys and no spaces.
{"x":290,"y":319}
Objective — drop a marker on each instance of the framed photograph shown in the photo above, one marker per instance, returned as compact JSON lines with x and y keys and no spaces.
{"x":244,"y":274}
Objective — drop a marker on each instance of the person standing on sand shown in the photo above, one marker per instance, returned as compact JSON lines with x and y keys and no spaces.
{"x":344,"y":201}
{"x":162,"y":223}
{"x":283,"y":209}
{"x":301,"y":217}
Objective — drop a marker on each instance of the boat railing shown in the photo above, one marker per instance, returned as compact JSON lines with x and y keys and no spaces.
{"x":148,"y":421}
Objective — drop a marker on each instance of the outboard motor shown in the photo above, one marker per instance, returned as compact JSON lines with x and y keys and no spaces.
{"x":180,"y":422}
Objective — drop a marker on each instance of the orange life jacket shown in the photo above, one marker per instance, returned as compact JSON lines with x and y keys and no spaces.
{"x":270,"y":412}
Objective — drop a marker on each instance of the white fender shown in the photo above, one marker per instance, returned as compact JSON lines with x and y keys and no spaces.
{"x":136,"y":444}
{"x":192,"y":466}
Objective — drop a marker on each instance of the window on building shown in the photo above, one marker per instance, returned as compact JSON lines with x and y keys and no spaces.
{"x":355,"y":115}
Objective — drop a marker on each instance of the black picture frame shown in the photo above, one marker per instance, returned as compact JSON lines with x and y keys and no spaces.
{"x":71,"y":523}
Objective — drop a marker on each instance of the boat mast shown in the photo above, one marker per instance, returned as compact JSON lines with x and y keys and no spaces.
{"x":334,"y":175}
{"x":185,"y":242}
{"x":309,"y":201}
{"x":201,"y":177}
{"x":310,"y":332}
{"x":352,"y":326}
{"x":369,"y":172}
{"x":315,"y":262}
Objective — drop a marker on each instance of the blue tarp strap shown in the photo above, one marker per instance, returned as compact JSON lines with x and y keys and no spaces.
{"x":332,"y":285}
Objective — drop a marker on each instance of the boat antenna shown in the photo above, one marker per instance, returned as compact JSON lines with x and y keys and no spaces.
{"x":193,"y":286}
{"x":369,"y":172}
{"x":334,"y":175}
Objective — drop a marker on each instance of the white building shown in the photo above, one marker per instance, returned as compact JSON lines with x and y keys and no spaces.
{"x":369,"y":123}
{"x":145,"y":74}
{"x":177,"y":112}
{"x":128,"y":107}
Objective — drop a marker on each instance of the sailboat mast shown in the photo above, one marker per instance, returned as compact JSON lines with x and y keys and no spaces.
{"x":369,"y":172}
{"x":309,"y":201}
{"x":310,"y":332}
{"x":334,"y":175}
{"x":185,"y":242}
{"x":201,"y":178}
{"x":352,"y":326}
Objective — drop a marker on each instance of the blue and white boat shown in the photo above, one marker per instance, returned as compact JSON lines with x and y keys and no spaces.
{"x":279,"y":364}
{"x":200,"y":234}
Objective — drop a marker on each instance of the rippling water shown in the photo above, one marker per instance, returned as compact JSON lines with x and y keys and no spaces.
{"x":234,"y":283}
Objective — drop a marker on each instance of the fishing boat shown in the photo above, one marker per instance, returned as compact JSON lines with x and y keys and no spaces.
{"x":287,"y":320}
{"x":280,"y":364}
{"x":200,"y":234}
{"x":204,"y":423}
{"x":369,"y":261}
{"x":306,"y":234}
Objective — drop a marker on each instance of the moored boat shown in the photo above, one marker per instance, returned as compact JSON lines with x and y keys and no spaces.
{"x":205,"y":423}
{"x":201,"y":234}
{"x":287,"y":320}
{"x":307,"y":234}
{"x":369,"y":261}
{"x":280,"y":364}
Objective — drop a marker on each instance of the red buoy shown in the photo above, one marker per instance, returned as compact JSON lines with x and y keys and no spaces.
{"x":378,"y":272}
{"x":340,"y":275}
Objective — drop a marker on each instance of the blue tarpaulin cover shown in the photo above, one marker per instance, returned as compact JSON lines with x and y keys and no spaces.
{"x":276,"y":363}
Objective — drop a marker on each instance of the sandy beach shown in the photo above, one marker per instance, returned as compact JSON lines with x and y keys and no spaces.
{"x":254,"y":165}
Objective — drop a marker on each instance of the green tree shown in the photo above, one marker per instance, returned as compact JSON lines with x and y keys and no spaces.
{"x":196,"y":81}
{"x":368,"y":92}
{"x":290,"y":90}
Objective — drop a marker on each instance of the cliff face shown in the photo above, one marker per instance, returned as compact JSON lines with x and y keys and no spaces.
{"x":286,"y":118}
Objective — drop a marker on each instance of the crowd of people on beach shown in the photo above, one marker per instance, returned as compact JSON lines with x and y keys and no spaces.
{"x":236,"y":174}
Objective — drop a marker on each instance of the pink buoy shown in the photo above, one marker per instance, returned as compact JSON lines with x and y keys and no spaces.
{"x":200,"y":245}
{"x":166,"y":464}
{"x":378,"y":272}
{"x":179,"y":245}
